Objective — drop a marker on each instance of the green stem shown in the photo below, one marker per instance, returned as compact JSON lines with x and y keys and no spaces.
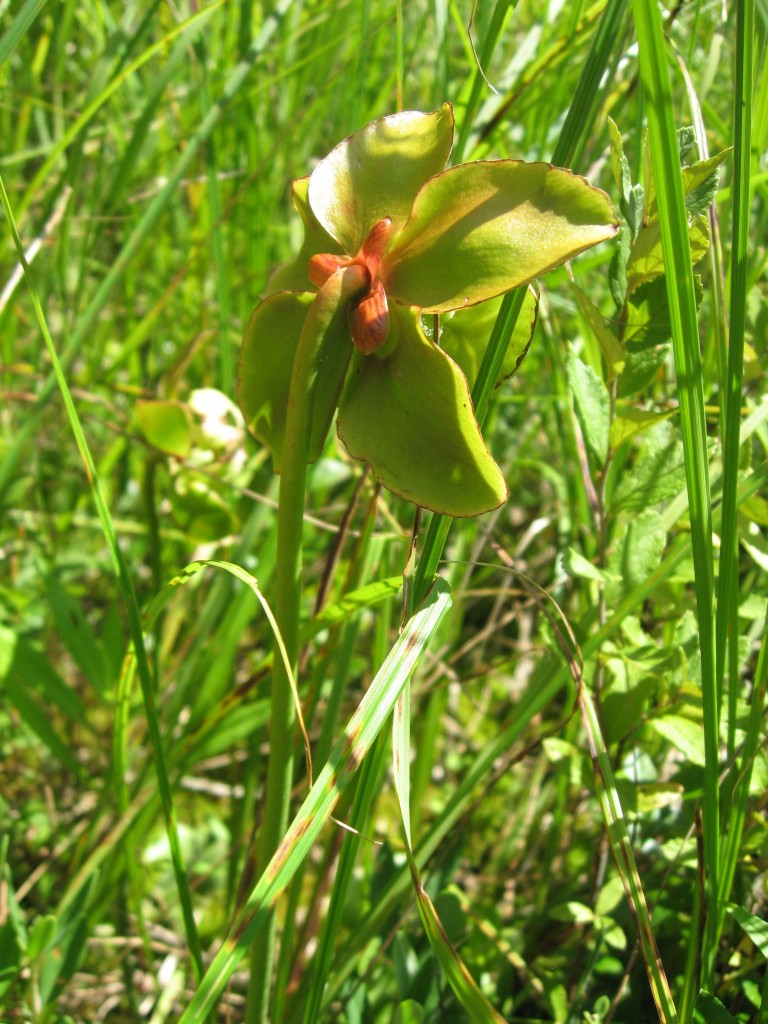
{"x":321,"y":318}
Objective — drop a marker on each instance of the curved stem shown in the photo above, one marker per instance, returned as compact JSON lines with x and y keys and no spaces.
{"x":322,"y":319}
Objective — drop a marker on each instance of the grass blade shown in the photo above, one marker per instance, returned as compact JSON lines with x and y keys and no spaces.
{"x":360,"y":733}
{"x":461,"y":981}
{"x":727,"y":583}
{"x":685,"y":341}
{"x":25,"y":17}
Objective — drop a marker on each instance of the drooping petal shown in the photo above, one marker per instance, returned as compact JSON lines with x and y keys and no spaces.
{"x":465,"y":335}
{"x":369,"y":320}
{"x":410,"y":416}
{"x":323,"y":265}
{"x":267,"y":357}
{"x":376,"y":244}
{"x":480,"y":229}
{"x":293,"y":276}
{"x":378,"y":171}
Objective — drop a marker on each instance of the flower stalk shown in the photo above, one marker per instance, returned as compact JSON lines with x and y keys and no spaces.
{"x":342,"y":286}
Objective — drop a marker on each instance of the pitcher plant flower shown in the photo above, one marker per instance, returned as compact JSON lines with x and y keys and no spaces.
{"x":391,"y":235}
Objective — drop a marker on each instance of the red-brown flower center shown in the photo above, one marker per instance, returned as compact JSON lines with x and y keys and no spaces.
{"x":368,"y":317}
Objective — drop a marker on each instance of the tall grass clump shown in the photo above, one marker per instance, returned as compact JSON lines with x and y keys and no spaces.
{"x":455,"y":714}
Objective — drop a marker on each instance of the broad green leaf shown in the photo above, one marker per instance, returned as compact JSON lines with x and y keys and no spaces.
{"x":378,"y":171}
{"x":639,"y":370}
{"x":646,"y":260}
{"x":270,"y":345}
{"x":755,"y":927}
{"x":592,"y":405}
{"x":637,"y":554}
{"x":576,"y":564}
{"x":167,"y":426}
{"x":631,"y":421}
{"x":653,"y":796}
{"x":624,"y":705}
{"x":619,"y":164}
{"x":647,"y":316}
{"x":617,"y":270}
{"x":658,"y":474}
{"x":481,"y":229}
{"x":574,"y":911}
{"x":613,"y":353}
{"x":686,"y":140}
{"x":408,"y":1012}
{"x":709,"y":1010}
{"x":11,"y":952}
{"x":41,"y":935}
{"x":683,"y":733}
{"x":700,"y":182}
{"x":464,"y":335}
{"x":409,"y":415}
{"x":293,"y":276}
{"x":755,"y":509}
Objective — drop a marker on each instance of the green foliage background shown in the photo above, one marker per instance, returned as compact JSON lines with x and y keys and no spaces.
{"x":146,"y":151}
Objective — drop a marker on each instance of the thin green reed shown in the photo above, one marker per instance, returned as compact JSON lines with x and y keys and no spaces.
{"x":727,"y":584}
{"x":654,"y":70}
{"x":728,"y":581}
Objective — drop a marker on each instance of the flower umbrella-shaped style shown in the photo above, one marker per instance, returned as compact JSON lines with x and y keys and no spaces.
{"x":391,"y":235}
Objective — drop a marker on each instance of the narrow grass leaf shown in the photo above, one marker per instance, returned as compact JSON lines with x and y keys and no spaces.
{"x":461,"y":981}
{"x":681,"y":296}
{"x":750,"y":748}
{"x":25,"y":17}
{"x":727,"y":584}
{"x":360,"y":733}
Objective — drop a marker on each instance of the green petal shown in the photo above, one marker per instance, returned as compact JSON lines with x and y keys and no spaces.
{"x":292,"y":276}
{"x":410,"y":416}
{"x":377,"y":173}
{"x":480,"y":229}
{"x":464,"y":335}
{"x":266,"y":363}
